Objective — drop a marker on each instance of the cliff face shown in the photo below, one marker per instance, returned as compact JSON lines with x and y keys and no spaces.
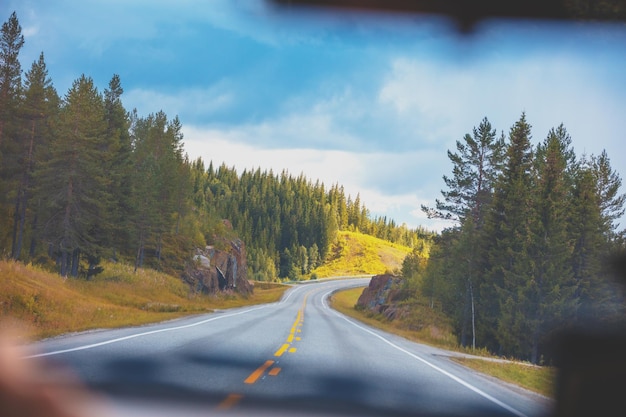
{"x":380,"y":295}
{"x":220,"y":270}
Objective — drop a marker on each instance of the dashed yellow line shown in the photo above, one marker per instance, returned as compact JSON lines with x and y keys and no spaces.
{"x":233,"y":399}
{"x":230,"y":401}
{"x":260,"y":371}
{"x":274,"y":371}
{"x":282,"y":350}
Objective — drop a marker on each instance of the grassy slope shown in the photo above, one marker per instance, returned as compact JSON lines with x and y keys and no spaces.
{"x":49,"y":305}
{"x":354,"y":253}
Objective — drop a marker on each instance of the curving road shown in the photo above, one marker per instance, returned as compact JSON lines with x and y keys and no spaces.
{"x":294,"y":357}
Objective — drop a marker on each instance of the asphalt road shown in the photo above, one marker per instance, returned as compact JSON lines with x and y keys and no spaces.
{"x":294,"y":357}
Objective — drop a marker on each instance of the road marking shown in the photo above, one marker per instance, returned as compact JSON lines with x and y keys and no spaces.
{"x":293,"y":350}
{"x":230,"y":401}
{"x":274,"y":371}
{"x":438,"y":369}
{"x":133,"y":336}
{"x":282,"y":350}
{"x":257,"y":374}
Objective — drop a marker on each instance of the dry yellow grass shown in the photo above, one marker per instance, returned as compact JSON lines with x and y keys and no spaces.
{"x":437,"y":333}
{"x":49,"y":305}
{"x":539,"y":379}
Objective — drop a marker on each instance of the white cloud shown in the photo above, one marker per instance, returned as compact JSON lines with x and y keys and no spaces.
{"x":444,"y":101}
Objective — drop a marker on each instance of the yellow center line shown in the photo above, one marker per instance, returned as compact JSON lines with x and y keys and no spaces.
{"x":257,"y":374}
{"x":282,"y":350}
{"x":254,"y":376}
{"x":230,"y":401}
{"x":274,"y":371}
{"x":294,"y":329}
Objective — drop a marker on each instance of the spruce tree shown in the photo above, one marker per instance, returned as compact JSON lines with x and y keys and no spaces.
{"x":549,"y":290}
{"x":610,"y":200}
{"x":501,"y":308}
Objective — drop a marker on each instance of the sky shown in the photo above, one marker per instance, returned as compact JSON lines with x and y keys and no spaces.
{"x":369,"y":102}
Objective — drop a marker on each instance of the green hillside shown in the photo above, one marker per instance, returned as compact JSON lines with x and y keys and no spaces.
{"x":354,"y":253}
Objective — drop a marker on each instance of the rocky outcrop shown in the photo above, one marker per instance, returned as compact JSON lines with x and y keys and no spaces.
{"x":220,"y":270}
{"x":379,"y":296}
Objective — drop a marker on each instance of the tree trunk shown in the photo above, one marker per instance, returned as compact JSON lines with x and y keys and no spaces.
{"x":22,"y":198}
{"x":473,"y":316}
{"x":75,"y":262}
{"x":63,"y":266}
{"x":16,"y":221}
{"x":33,"y":239}
{"x":159,"y":247}
{"x":139,"y":257}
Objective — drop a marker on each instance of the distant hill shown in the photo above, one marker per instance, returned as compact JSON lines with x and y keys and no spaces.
{"x":354,"y":253}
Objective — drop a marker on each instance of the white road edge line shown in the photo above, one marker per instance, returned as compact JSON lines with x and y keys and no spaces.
{"x":435,"y":367}
{"x":133,"y":336}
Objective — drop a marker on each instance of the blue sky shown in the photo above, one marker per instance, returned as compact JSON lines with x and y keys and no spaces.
{"x":369,"y":102}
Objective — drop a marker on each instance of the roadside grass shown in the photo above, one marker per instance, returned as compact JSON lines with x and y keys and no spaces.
{"x":354,"y":253}
{"x":534,"y":378}
{"x":47,"y":305}
{"x":539,"y":379}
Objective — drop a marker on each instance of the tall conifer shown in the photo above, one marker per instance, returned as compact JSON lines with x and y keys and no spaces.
{"x":506,"y":240}
{"x":38,"y":108}
{"x":74,"y":182}
{"x":11,"y":42}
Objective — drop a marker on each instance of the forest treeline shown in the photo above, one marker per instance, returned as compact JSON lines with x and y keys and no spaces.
{"x":82,"y":179}
{"x":534,"y":229}
{"x":290,"y":222}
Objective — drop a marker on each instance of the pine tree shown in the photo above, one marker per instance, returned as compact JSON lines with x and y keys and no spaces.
{"x":11,"y":42}
{"x":119,"y":166}
{"x":39,"y":105}
{"x":157,"y":180}
{"x":475,"y":166}
{"x":73,"y":182}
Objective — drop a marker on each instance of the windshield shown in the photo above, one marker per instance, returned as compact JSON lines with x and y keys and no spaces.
{"x":489,"y":147}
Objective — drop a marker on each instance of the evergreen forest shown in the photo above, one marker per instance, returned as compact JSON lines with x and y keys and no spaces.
{"x":84,"y":179}
{"x":534,"y":230}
